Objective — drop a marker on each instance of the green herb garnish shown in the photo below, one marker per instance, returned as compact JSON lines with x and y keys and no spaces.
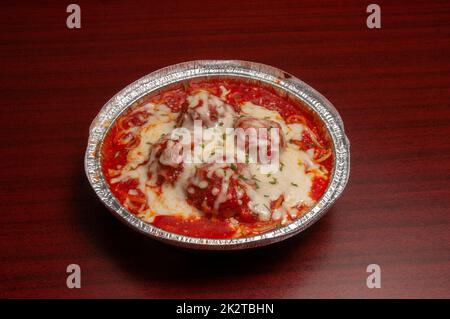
{"x":242,"y":177}
{"x":255,"y":179}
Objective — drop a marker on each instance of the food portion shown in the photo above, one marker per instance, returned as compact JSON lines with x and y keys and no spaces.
{"x":260,"y":161}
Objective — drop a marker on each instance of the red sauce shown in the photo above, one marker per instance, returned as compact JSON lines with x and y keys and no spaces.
{"x":319,"y":185}
{"x":195,"y":227}
{"x":203,"y":199}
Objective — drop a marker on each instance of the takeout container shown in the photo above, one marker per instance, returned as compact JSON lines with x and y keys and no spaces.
{"x":268,"y":75}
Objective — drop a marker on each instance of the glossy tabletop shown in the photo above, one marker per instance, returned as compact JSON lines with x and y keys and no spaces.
{"x":391,"y":86}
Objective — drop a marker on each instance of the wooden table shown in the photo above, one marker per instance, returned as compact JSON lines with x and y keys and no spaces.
{"x":391,"y":86}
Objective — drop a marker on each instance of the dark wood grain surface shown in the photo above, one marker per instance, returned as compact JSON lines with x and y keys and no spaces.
{"x":391,"y":86}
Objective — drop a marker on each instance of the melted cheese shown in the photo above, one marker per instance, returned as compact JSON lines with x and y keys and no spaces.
{"x":160,"y":122}
{"x":293,"y":130}
{"x":292,"y":180}
{"x":172,"y":200}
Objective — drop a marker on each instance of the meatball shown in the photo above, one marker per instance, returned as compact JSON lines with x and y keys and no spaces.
{"x":162,"y":168}
{"x":219,"y":190}
{"x":207,"y":108}
{"x":262,"y":141}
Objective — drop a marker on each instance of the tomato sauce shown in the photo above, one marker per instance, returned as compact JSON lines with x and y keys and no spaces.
{"x":195,"y":227}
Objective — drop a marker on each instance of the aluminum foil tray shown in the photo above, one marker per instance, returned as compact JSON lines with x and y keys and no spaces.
{"x":162,"y":78}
